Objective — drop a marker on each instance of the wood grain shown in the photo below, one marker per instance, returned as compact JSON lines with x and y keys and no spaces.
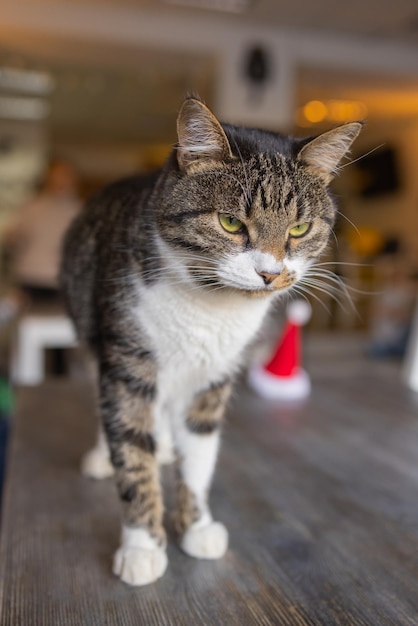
{"x":321,"y":501}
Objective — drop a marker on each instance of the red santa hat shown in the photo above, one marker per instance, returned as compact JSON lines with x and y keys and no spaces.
{"x":282,"y":377}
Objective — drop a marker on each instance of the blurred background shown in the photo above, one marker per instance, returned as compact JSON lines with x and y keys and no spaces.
{"x":98,"y":84}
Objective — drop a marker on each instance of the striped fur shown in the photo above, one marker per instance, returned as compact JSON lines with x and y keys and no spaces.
{"x":167,"y":300}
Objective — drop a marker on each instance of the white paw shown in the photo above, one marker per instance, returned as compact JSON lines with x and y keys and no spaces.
{"x":208,"y":542}
{"x":137,"y":566}
{"x":96,"y":464}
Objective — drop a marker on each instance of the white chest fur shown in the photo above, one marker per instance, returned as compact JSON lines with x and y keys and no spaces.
{"x":198,"y":338}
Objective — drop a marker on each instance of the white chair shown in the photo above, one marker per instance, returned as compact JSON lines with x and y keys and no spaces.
{"x":34,"y":334}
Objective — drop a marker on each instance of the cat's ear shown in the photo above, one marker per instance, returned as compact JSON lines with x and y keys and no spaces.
{"x":200,"y":135}
{"x":323,"y":154}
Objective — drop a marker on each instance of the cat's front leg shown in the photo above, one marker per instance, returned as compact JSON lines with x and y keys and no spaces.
{"x":127,"y":410}
{"x":198,"y":444}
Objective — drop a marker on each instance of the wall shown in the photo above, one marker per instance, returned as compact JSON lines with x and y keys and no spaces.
{"x":227,"y":39}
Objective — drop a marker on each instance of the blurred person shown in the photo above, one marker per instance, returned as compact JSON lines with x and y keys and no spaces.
{"x":34,"y":237}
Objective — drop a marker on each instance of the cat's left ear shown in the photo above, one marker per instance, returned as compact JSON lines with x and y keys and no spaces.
{"x":323,"y":154}
{"x":200,"y":135}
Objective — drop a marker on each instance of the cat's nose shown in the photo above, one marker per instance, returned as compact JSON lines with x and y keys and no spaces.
{"x":267,"y":277}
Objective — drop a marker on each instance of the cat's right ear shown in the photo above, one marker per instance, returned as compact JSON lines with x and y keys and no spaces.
{"x":200,"y":136}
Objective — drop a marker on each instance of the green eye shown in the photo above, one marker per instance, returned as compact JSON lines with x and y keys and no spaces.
{"x":230,"y":223}
{"x":300,"y":230}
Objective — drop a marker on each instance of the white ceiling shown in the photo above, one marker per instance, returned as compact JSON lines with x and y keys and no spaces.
{"x":374,"y":18}
{"x":395,"y":20}
{"x":386,"y":19}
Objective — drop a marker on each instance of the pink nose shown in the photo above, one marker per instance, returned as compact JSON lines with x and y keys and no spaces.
{"x":267,"y":277}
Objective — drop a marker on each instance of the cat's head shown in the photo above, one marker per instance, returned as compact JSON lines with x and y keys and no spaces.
{"x":246,"y":209}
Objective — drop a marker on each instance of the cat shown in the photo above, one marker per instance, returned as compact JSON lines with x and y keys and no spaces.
{"x":168,"y":278}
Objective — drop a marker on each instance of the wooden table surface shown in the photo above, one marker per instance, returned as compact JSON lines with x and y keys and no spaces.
{"x":321,"y":502}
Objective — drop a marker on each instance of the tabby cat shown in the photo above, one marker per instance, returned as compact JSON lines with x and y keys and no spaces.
{"x":168,"y":278}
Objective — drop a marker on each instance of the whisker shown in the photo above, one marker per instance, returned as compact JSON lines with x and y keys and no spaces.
{"x":319,"y":277}
{"x":335,"y":238}
{"x":293,"y":294}
{"x":362,"y":156}
{"x":332,"y":296}
{"x":350,"y":222}
{"x":342,"y":263}
{"x":334,"y":279}
{"x":329,"y":275}
{"x":301,"y":289}
{"x":326,"y":273}
{"x":332,"y":290}
{"x":324,"y":288}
